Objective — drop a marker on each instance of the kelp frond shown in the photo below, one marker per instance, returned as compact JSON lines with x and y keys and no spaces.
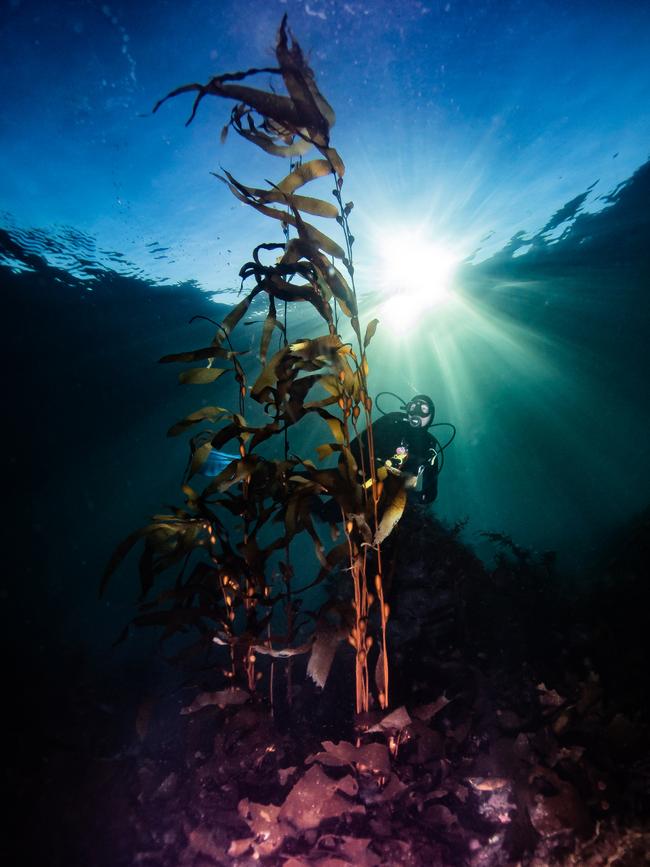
{"x":231,"y":592}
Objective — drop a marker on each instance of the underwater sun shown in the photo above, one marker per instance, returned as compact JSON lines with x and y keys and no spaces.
{"x":415,"y":276}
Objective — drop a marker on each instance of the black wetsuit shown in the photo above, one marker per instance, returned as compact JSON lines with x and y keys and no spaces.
{"x":392,"y":431}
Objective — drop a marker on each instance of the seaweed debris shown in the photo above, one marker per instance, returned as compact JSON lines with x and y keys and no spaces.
{"x":511,"y":745}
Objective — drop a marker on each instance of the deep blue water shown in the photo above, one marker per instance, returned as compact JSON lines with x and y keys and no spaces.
{"x":513,"y":134}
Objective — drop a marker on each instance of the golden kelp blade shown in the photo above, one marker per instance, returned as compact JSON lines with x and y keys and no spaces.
{"x":306,"y":230}
{"x":199,"y":457}
{"x":370,"y":332}
{"x":324,"y":349}
{"x":281,"y":108}
{"x":264,"y":492}
{"x":270,"y":323}
{"x":200,"y":375}
{"x":303,"y":174}
{"x":391,"y":516}
{"x":233,"y":473}
{"x":270,"y":374}
{"x":254,"y":195}
{"x":327,"y":640}
{"x":206,"y":413}
{"x":300,"y":82}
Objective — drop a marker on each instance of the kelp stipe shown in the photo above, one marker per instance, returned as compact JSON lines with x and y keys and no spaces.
{"x":228,"y":595}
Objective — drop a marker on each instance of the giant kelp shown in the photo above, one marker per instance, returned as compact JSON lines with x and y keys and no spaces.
{"x":227,"y":593}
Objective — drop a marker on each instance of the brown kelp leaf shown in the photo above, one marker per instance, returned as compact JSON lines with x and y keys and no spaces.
{"x":368,"y":758}
{"x":356,"y":851}
{"x":393,"y":722}
{"x":328,"y":273}
{"x":315,"y":798}
{"x":231,"y":475}
{"x":268,"y":832}
{"x":348,"y":466}
{"x":221,"y":698}
{"x":280,"y":108}
{"x":305,"y":230}
{"x":392,"y":513}
{"x":199,"y":457}
{"x":235,"y":430}
{"x":319,"y":404}
{"x":325,"y":348}
{"x":200,"y":375}
{"x":301,"y":85}
{"x":297,"y":249}
{"x":206,"y":412}
{"x":321,"y":350}
{"x":317,"y":265}
{"x":373,"y":758}
{"x":351,"y":384}
{"x":255,"y":195}
{"x":555,"y":806}
{"x":122,"y":550}
{"x":323,"y":651}
{"x":270,"y":323}
{"x":262,"y":434}
{"x":309,"y":205}
{"x":239,"y":847}
{"x":303,"y":174}
{"x":370,"y":332}
{"x":232,"y":319}
{"x":205,"y":844}
{"x":285,"y":773}
{"x":282,"y":653}
{"x":286,"y":291}
{"x":380,"y":674}
{"x":549,"y":697}
{"x":319,"y":550}
{"x":269,"y":376}
{"x":349,"y":786}
{"x":335,"y":755}
{"x":333,"y":157}
{"x":309,"y":233}
{"x":331,"y":384}
{"x":438,"y":815}
{"x":394,"y":788}
{"x":426,"y":712}
{"x":268,"y":144}
{"x":334,"y":423}
{"x":292,"y":511}
{"x":325,"y":450}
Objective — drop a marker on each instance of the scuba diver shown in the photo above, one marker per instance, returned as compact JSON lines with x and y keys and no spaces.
{"x":404,"y":445}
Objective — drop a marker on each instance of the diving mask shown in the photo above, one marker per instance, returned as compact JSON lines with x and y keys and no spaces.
{"x":420,"y":411}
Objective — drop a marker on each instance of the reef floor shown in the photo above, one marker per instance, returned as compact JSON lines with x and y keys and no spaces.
{"x":518,"y":735}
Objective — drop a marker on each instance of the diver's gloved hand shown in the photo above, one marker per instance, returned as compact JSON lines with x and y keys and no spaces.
{"x":425,"y":484}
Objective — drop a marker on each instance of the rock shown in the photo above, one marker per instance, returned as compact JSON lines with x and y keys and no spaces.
{"x":315,"y":798}
{"x":556,"y":807}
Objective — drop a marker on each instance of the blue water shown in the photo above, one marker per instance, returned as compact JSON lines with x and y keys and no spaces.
{"x":513,"y":135}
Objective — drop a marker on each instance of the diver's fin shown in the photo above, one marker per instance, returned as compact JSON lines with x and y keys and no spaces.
{"x":215,"y":463}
